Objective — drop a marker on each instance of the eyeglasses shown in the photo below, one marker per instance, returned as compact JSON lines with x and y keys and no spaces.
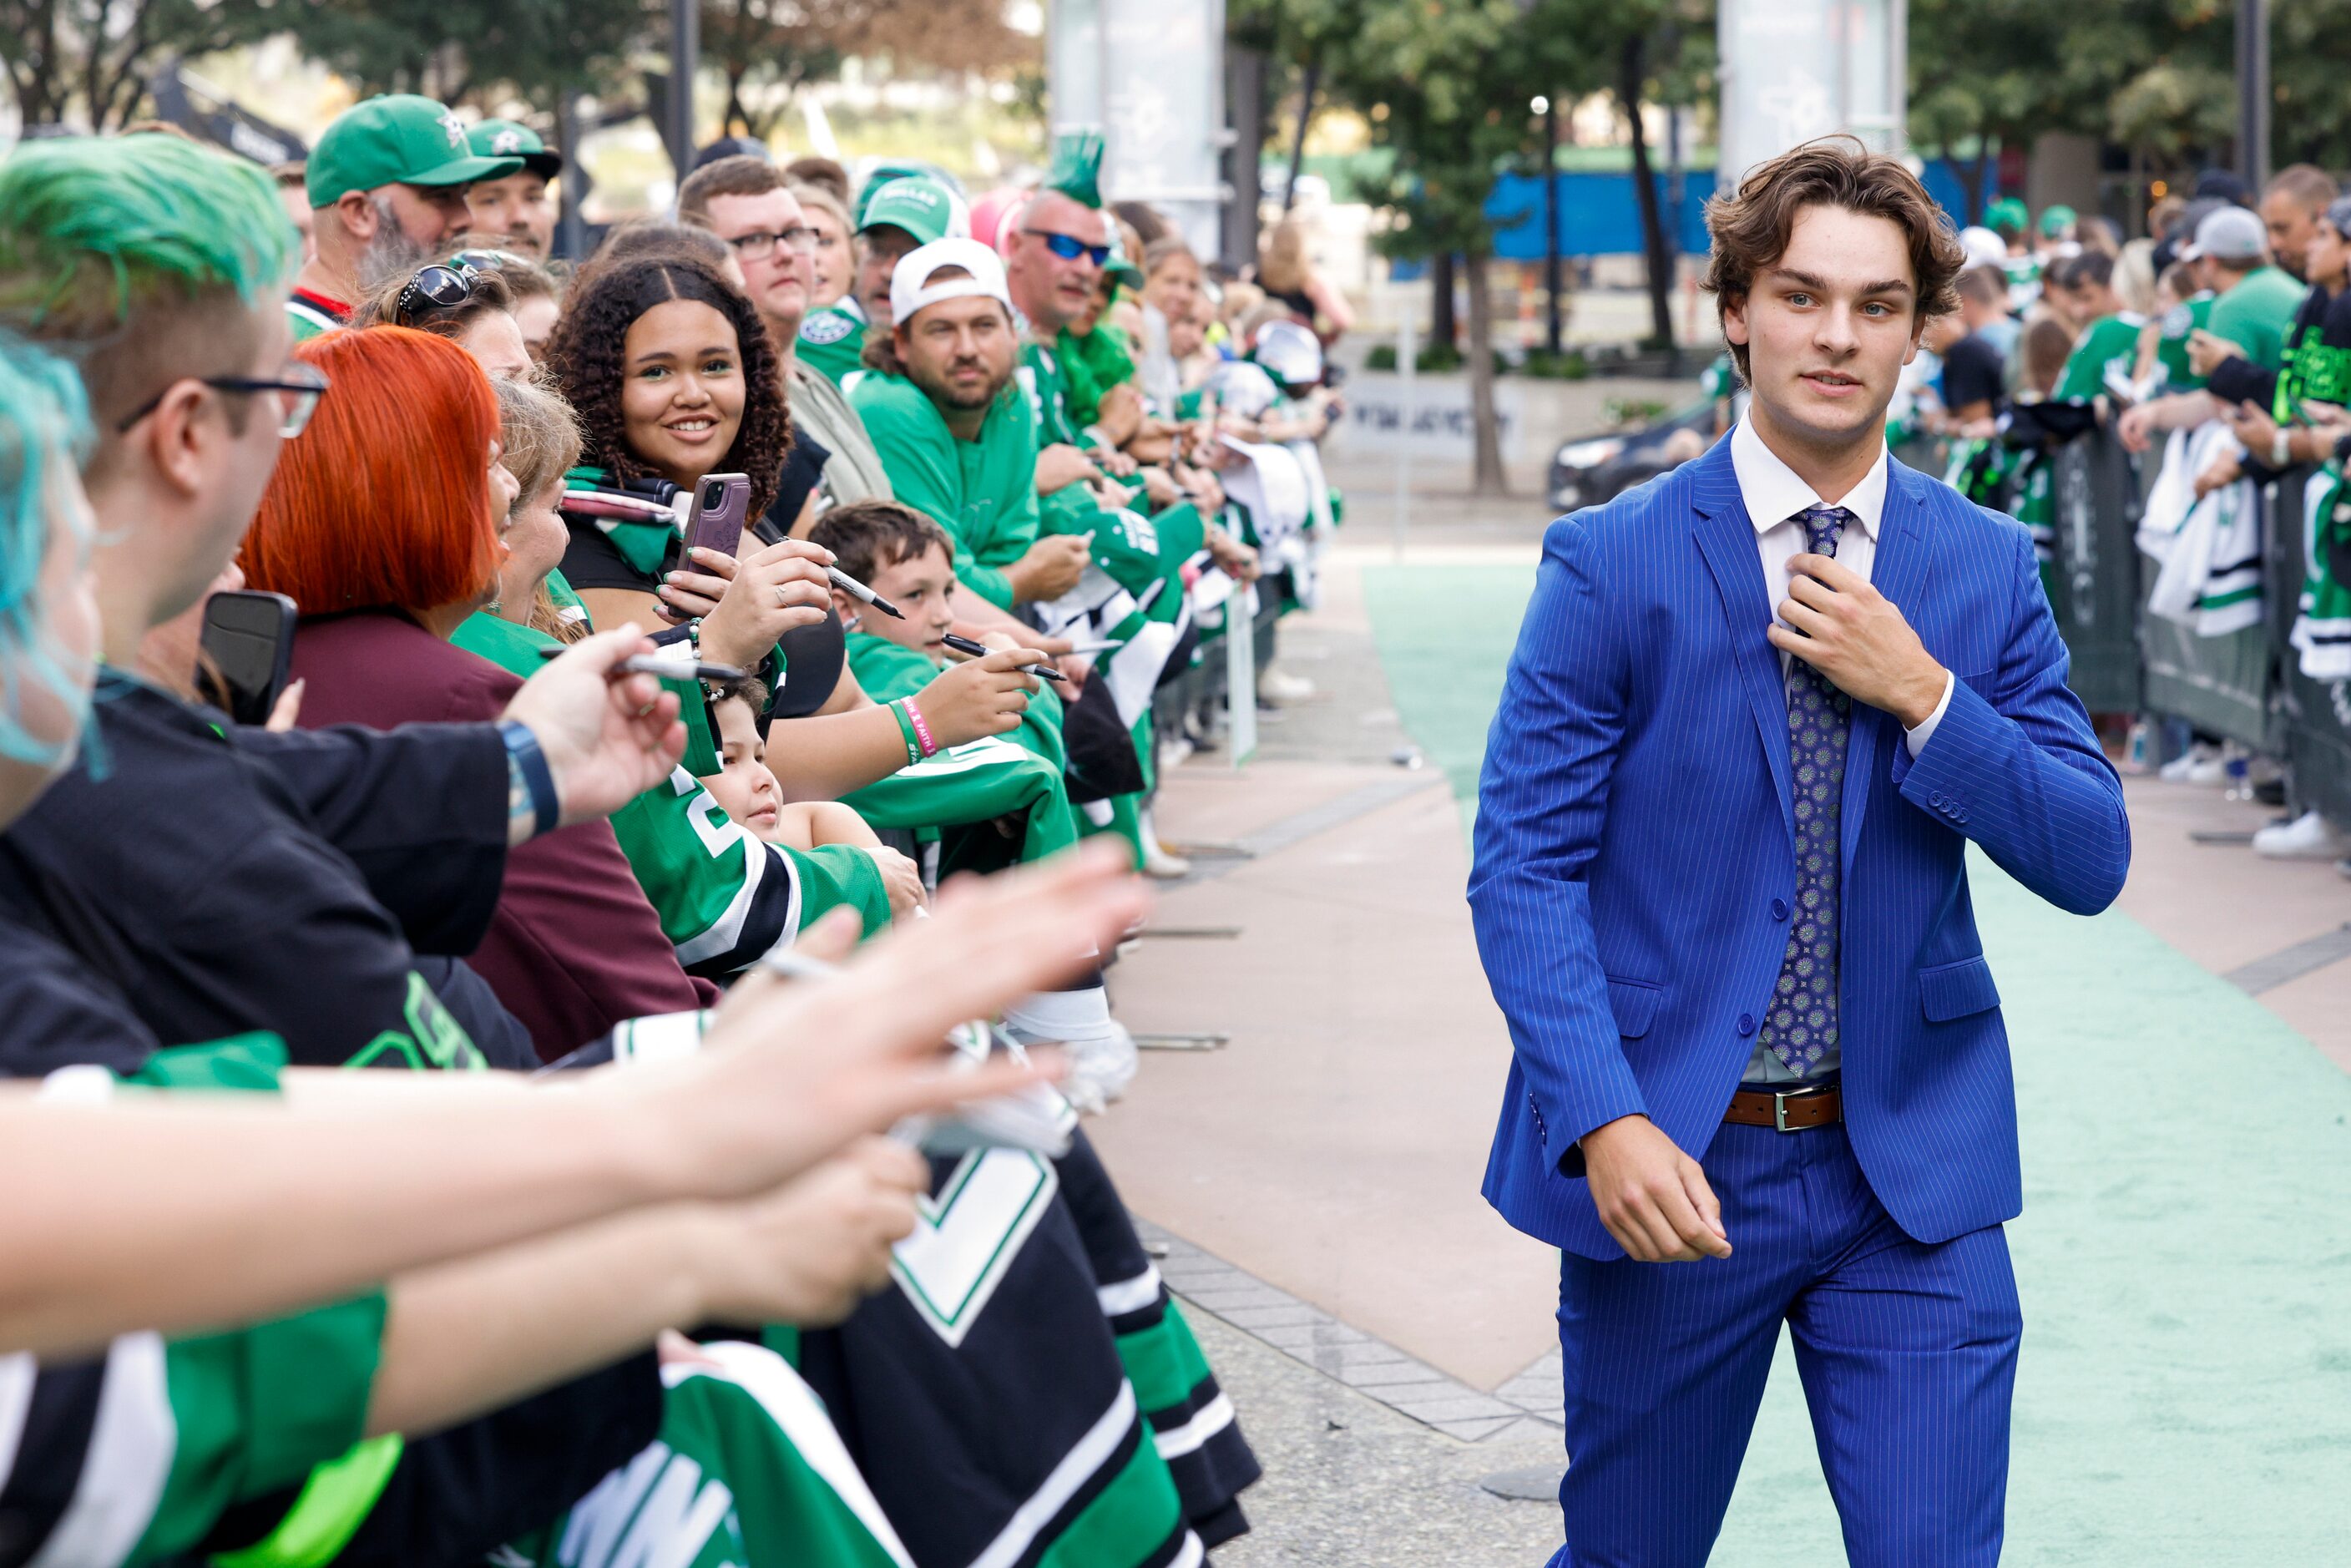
{"x":298,"y":397}
{"x":1068,"y":248}
{"x":443,"y":285}
{"x":760,"y":244}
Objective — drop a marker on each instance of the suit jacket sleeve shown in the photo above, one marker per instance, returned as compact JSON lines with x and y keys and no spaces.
{"x":421,"y":811}
{"x":2015,"y":765}
{"x":1542,"y":799}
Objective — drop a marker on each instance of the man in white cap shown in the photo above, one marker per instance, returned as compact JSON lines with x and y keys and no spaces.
{"x":954,"y":434}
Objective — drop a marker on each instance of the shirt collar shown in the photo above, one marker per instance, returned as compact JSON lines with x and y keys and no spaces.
{"x":1773,"y":493}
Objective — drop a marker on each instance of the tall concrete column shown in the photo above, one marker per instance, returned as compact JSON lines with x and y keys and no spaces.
{"x":1794,"y":69}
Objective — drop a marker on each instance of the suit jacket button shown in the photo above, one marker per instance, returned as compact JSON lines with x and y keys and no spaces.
{"x":1745,"y":1025}
{"x":1778,"y":909}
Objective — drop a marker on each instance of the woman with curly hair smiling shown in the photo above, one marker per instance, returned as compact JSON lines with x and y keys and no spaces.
{"x":673,"y":377}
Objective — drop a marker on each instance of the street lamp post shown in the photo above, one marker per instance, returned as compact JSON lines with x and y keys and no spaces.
{"x":2253,"y":92}
{"x":1551,"y":225}
{"x":684,"y":54}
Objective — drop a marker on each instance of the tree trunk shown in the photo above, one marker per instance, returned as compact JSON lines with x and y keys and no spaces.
{"x":1489,"y":478}
{"x":1442,"y":328}
{"x":1313,"y":82}
{"x":1632,"y":74}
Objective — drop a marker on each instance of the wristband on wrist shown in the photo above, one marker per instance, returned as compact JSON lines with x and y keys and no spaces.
{"x":906,"y":730}
{"x":2282,"y":449}
{"x":922,"y":730}
{"x":528,"y":764}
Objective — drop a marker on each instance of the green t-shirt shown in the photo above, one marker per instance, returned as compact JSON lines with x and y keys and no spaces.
{"x":2171,"y":343}
{"x":2257,"y":313}
{"x":2108,"y":340}
{"x":1093,"y":364}
{"x":832,"y":337}
{"x":983,"y":492}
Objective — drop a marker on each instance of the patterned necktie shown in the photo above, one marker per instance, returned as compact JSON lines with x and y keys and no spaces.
{"x":1802,"y":1022}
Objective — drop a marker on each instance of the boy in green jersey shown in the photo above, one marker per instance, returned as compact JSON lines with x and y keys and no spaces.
{"x":2107,"y":351}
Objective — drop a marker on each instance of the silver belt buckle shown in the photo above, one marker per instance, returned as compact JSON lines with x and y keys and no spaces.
{"x":1779,"y":1099}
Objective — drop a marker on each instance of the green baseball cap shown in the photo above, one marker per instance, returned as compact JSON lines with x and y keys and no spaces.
{"x":924,"y":207}
{"x":2006,"y":215}
{"x":513,"y":139}
{"x":399,"y":139}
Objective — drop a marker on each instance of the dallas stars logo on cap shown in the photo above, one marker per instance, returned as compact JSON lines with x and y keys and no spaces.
{"x":455,"y":127}
{"x":507,"y":142}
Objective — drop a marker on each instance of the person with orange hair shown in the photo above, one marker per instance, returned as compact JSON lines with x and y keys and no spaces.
{"x":381,"y":525}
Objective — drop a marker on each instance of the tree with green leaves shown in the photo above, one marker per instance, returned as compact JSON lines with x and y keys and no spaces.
{"x":96,"y":55}
{"x":534,"y":50}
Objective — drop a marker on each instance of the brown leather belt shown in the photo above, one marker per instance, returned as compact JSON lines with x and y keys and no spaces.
{"x":1793,"y":1111}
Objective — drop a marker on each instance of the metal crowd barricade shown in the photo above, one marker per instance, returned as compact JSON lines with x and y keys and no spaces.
{"x":2314,"y":717}
{"x":2095,"y":592}
{"x":2247,"y":686}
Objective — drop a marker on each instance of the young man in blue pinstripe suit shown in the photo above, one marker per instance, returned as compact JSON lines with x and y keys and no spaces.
{"x":1758,"y":709}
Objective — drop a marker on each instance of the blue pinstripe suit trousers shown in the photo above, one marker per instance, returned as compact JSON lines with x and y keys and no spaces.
{"x":1907,"y":1352}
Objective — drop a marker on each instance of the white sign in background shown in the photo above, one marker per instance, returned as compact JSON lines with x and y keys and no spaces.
{"x":1151,"y":77}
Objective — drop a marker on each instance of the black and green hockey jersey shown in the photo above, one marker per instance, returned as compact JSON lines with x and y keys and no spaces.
{"x":723,"y":897}
{"x":134,"y":1454}
{"x":747,"y":1473}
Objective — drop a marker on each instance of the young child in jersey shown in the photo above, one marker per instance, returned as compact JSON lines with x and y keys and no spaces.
{"x":907,"y":559}
{"x":747,"y":790}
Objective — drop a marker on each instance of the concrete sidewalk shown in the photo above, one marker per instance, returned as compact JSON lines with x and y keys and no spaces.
{"x":2184,"y":1393}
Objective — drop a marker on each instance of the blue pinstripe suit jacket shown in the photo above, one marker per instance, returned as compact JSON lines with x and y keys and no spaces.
{"x":1635,"y":829}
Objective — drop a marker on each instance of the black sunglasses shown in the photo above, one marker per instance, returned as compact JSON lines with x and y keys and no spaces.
{"x":440,"y":286}
{"x":1069,"y":248}
{"x":296,"y":399}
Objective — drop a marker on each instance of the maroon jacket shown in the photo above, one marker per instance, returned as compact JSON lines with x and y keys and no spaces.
{"x":574,"y":947}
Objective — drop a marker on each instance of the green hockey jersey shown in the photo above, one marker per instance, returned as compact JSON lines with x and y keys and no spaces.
{"x":133,"y":1455}
{"x":723,"y":897}
{"x":747,"y":1473}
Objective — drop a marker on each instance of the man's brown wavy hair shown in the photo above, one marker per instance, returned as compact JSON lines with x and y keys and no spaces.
{"x":1751,"y":227}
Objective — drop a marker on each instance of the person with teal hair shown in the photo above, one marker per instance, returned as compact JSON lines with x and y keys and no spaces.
{"x":44,"y":551}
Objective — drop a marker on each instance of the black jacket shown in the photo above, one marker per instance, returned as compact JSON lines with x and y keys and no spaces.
{"x":226,"y":879}
{"x":210,"y":880}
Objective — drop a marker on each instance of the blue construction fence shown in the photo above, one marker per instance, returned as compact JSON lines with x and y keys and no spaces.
{"x":1598,"y":215}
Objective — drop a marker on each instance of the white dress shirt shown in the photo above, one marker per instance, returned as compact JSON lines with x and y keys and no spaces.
{"x":1775,"y":498}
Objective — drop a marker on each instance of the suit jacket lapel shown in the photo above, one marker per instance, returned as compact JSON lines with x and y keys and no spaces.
{"x":1726,"y":537}
{"x":1900,"y":568}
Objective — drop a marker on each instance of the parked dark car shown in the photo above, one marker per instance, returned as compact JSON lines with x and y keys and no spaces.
{"x":1591,"y":469}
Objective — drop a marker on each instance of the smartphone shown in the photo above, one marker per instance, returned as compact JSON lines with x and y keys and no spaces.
{"x":722,"y":505}
{"x":248,"y":645}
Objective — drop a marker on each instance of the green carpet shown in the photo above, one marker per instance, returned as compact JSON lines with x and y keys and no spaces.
{"x":2184,"y":1394}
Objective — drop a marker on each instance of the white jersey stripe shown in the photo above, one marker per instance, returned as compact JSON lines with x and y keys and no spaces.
{"x":1078,"y":1466}
{"x":1130,"y":1295}
{"x":18,"y":1373}
{"x":1211,"y":1418}
{"x":130,"y":1458}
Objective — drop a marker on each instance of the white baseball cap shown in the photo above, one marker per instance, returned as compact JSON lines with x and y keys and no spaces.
{"x":1984,"y":247}
{"x":2232,"y":233}
{"x":911,"y":287}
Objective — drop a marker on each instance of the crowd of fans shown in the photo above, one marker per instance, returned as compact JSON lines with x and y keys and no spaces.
{"x":2217,"y":352}
{"x":718,"y":1211}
